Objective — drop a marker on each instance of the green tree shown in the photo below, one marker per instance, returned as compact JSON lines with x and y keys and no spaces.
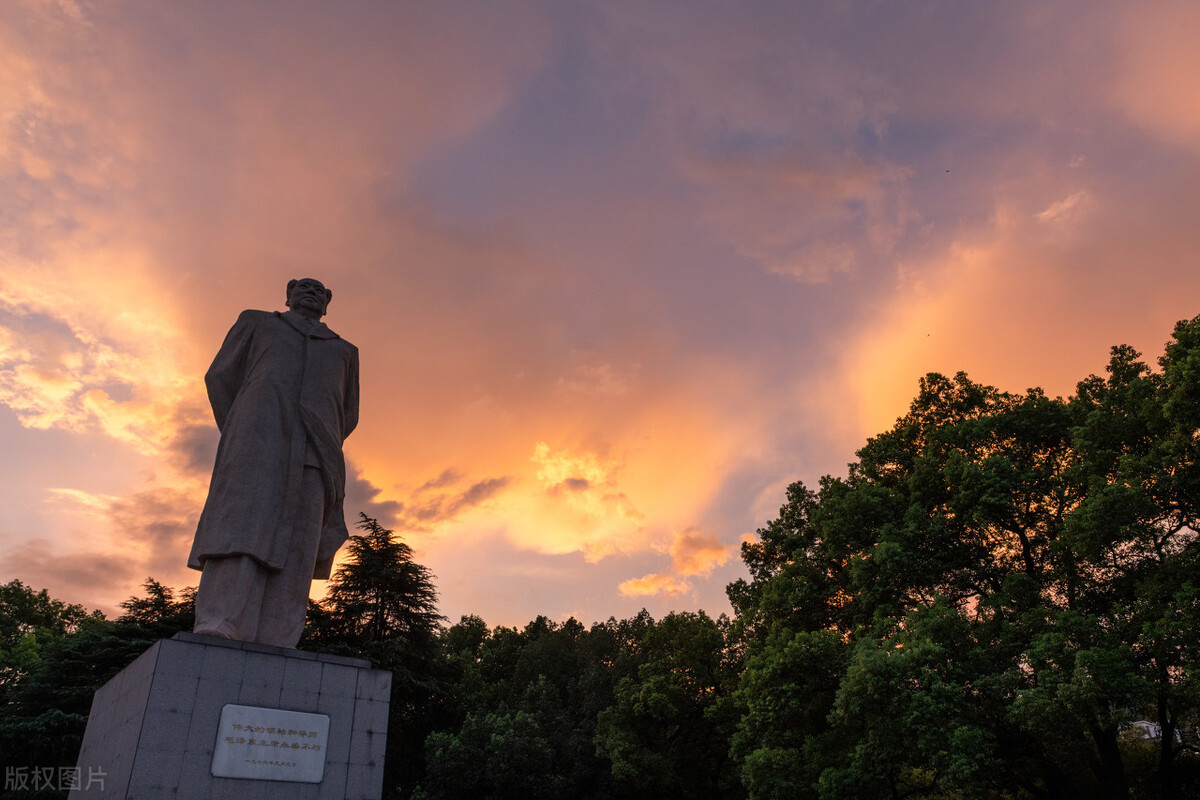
{"x":47,"y":707}
{"x":29,"y":619}
{"x":521,"y":708}
{"x":382,"y":605}
{"x":998,"y":587}
{"x":667,"y":731}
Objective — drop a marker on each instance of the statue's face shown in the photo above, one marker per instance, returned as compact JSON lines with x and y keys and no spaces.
{"x":308,"y":294}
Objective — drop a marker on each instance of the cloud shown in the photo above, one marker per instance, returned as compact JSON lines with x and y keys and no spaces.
{"x":696,"y":553}
{"x":678,"y":252}
{"x":159,"y":525}
{"x":193,"y":448}
{"x":592,"y":378}
{"x":585,"y":482}
{"x":152,"y":528}
{"x":429,"y":508}
{"x":364,"y":497}
{"x":1069,"y":209}
{"x":448,"y":477}
{"x":65,"y":364}
{"x":808,"y":221}
{"x":107,"y":544}
{"x":775,"y":130}
{"x":1033,"y":297}
{"x":97,"y":578}
{"x":655,"y":584}
{"x":693,"y":554}
{"x":97,"y":503}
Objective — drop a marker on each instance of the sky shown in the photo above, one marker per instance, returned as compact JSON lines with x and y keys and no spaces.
{"x":618,"y":272}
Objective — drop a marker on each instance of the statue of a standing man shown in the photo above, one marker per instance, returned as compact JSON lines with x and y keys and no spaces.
{"x":284,"y":391}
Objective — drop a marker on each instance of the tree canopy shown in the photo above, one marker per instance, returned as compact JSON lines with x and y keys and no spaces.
{"x":1000,"y":585}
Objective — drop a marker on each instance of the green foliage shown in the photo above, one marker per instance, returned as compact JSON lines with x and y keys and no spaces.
{"x":1000,"y":585}
{"x":46,"y":707}
{"x":546,"y":683}
{"x":382,"y":605}
{"x":28,"y":620}
{"x":667,"y":730}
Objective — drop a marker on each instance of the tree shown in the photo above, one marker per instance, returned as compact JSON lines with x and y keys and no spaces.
{"x":520,"y":717}
{"x":667,"y":731}
{"x":1001,"y":583}
{"x":29,"y":619}
{"x":46,"y":707}
{"x":382,"y":605}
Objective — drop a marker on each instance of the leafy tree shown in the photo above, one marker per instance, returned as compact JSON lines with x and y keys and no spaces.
{"x":522,"y":705}
{"x":382,"y":605}
{"x":1000,"y":584}
{"x":29,"y":619}
{"x":47,"y":707}
{"x":667,"y":731}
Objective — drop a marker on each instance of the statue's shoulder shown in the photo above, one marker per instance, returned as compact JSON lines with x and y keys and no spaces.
{"x":251,"y":316}
{"x":346,"y":347}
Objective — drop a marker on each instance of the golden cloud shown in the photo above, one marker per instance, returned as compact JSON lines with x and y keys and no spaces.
{"x":584,"y":482}
{"x":655,"y":584}
{"x":696,"y":553}
{"x":693,"y":554}
{"x":79,"y":370}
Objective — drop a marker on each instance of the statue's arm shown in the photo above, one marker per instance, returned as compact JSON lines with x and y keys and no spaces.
{"x":350,"y":400}
{"x":224,"y":378}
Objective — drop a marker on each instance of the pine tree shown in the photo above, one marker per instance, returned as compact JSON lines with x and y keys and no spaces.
{"x":382,"y":606}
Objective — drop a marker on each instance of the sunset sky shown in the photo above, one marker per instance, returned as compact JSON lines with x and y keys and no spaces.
{"x":618,"y":271}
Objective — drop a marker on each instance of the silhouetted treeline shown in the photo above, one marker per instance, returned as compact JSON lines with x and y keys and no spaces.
{"x":1000,"y":600}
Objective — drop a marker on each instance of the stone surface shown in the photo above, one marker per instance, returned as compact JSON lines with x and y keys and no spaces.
{"x":271,"y":744}
{"x":154,"y":727}
{"x":284,"y":394}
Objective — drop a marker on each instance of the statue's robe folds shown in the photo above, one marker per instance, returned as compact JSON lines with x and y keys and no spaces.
{"x":284,"y":392}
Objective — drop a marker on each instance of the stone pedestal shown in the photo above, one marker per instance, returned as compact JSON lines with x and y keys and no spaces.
{"x":154,"y":727}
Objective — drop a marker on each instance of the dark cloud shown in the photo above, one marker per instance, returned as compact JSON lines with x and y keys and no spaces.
{"x":363,"y":496}
{"x":194,"y":447}
{"x":159,"y":525}
{"x":75,"y":577}
{"x":449,"y":477}
{"x":429,"y":511}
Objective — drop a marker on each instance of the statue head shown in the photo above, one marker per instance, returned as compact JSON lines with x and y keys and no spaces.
{"x":308,"y":297}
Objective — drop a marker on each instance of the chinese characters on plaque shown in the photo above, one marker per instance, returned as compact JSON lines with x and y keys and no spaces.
{"x":270,"y":744}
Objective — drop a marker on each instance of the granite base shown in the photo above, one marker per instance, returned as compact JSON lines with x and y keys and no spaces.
{"x":153,"y":728}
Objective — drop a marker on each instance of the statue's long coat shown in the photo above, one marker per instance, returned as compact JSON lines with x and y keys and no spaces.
{"x":281,"y":398}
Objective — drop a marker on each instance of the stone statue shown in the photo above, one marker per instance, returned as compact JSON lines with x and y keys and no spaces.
{"x":284,"y":392}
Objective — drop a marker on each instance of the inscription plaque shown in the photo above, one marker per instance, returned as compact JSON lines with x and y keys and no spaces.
{"x":270,"y":744}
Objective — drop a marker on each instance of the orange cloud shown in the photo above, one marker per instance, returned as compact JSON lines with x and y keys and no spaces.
{"x":583,"y":481}
{"x":693,"y":554}
{"x":655,"y":584}
{"x":696,"y":553}
{"x":85,"y":362}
